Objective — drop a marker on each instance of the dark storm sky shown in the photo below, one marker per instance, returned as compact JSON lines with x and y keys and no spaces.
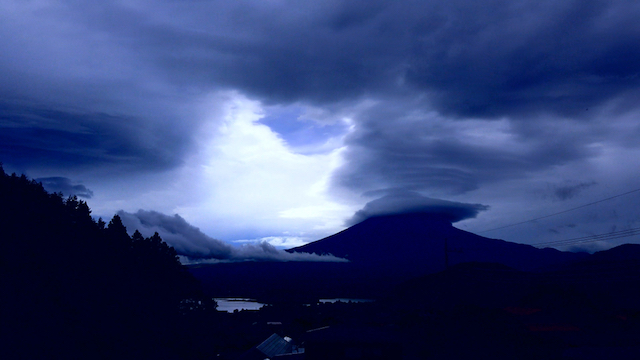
{"x":280,"y":119}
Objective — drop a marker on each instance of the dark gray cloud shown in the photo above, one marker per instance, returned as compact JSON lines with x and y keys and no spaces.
{"x":525,"y":58}
{"x":568,"y":190}
{"x":74,"y":95}
{"x":192,"y":243}
{"x":406,"y":202}
{"x":37,"y":137}
{"x":129,"y":68}
{"x":188,"y":240}
{"x":474,"y":60}
{"x":395,"y":146}
{"x":65,"y":186}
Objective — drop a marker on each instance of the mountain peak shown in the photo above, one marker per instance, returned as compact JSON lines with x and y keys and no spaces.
{"x":421,"y":242}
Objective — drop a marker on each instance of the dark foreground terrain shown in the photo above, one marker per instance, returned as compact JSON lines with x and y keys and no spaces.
{"x":545,"y":304}
{"x":587,"y":310}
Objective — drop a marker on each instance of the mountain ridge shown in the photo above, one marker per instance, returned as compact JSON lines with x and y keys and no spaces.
{"x":419,"y":240}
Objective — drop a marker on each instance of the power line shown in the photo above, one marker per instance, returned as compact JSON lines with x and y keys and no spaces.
{"x":613,"y":233}
{"x":592,"y":238}
{"x":562,"y":212}
{"x":587,"y":240}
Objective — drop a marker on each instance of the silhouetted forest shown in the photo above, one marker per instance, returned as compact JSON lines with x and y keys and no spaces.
{"x":77,"y":287}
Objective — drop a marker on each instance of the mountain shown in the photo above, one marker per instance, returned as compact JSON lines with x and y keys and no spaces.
{"x":415,"y":243}
{"x":382,"y":252}
{"x":605,"y":282}
{"x":613,"y":274}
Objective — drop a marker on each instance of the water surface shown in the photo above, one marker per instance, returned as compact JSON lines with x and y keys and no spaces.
{"x":232,"y":304}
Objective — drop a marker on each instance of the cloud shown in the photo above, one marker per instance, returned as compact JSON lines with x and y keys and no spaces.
{"x":195,"y":246}
{"x":175,"y":231}
{"x":251,"y":180}
{"x":396,"y":145}
{"x":411,"y":202}
{"x":73,"y":97}
{"x":569,"y":190}
{"x":104,"y":86}
{"x":34,"y":136}
{"x":65,"y":186}
{"x":497,"y":59}
{"x":283,"y":242}
{"x":105,"y":83}
{"x":526,"y":58}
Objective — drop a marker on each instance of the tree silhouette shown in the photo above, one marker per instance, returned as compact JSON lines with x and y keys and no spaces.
{"x":71,"y":285}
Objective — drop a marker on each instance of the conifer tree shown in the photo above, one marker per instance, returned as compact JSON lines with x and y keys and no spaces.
{"x":71,"y":285}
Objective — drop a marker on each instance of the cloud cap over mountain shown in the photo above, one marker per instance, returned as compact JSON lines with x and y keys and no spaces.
{"x":408,"y":202}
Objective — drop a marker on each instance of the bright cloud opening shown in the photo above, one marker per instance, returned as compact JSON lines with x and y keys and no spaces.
{"x":253,"y":185}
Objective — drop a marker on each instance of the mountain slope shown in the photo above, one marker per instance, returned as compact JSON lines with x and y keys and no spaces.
{"x":416,"y":243}
{"x":383,"y":252}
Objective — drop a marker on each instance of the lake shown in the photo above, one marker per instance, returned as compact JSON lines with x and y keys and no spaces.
{"x":344,"y":300}
{"x":232,"y":304}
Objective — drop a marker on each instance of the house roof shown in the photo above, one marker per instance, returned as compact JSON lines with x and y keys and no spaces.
{"x":275,"y":345}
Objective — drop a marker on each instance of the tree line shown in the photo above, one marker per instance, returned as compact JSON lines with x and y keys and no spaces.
{"x":73,"y":286}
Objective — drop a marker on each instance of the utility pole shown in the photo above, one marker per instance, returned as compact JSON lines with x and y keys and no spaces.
{"x":446,"y":253}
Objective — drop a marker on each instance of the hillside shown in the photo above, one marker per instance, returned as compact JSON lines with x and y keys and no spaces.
{"x":72,"y":286}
